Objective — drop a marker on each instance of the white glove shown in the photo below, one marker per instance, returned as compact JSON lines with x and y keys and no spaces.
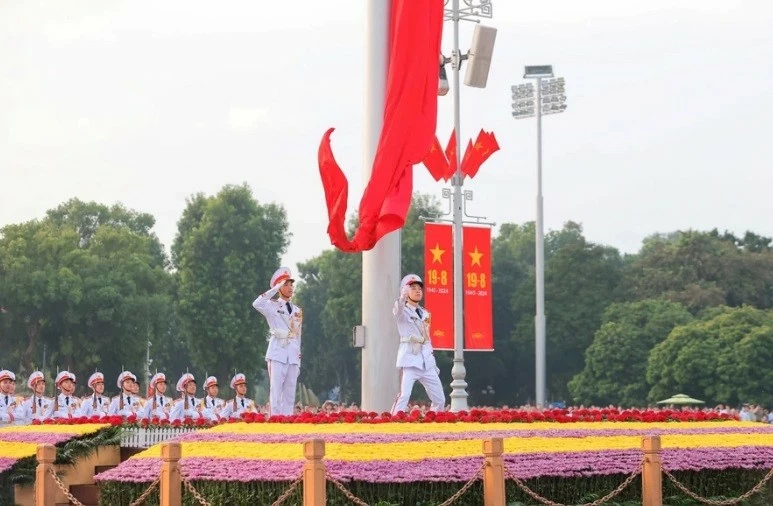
{"x":404,"y":292}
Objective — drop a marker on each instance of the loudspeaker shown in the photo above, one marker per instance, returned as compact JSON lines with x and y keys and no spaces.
{"x":479,"y":59}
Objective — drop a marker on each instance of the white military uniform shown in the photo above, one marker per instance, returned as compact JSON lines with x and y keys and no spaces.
{"x":36,"y":407}
{"x":66,"y":405}
{"x":285,"y":322}
{"x":95,"y":404}
{"x":9,"y":402}
{"x":126,"y":403}
{"x":415,"y":357}
{"x":162,"y":410}
{"x":235,"y":407}
{"x":214,"y":404}
{"x":163,"y":404}
{"x":42,"y":410}
{"x":188,"y":406}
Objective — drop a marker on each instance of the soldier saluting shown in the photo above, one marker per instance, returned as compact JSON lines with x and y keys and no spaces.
{"x":415,"y":357}
{"x":285,"y":321}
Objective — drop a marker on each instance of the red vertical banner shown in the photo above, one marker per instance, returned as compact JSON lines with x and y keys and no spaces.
{"x":476,"y":265}
{"x":439,"y":283}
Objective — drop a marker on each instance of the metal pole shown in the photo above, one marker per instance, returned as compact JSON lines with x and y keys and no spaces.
{"x":458,"y":371}
{"x":539,"y":319}
{"x":381,"y":265}
{"x":147,"y":361}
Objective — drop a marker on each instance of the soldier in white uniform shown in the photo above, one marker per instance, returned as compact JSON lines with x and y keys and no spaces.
{"x":188,"y":406}
{"x":239,"y":404}
{"x":285,"y":321}
{"x":37,"y":406}
{"x":415,"y":357}
{"x":157,"y":404}
{"x":66,"y":404}
{"x":97,"y":403}
{"x":126,"y":403}
{"x":212,"y":402}
{"x":9,"y":402}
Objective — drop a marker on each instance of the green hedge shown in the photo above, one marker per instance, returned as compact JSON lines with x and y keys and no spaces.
{"x":714,"y":484}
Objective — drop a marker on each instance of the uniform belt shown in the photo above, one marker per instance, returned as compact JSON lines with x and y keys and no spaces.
{"x":282,"y":337}
{"x":415,"y":342}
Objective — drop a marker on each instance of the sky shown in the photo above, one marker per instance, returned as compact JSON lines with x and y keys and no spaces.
{"x":147,"y":103}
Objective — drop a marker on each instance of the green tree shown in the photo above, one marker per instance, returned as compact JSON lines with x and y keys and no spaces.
{"x":88,"y":286}
{"x":581,"y":280}
{"x":703,"y":269}
{"x":723,"y":357}
{"x":225,"y":252}
{"x":616,"y":361}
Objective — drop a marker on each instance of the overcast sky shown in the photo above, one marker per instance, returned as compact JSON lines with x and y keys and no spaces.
{"x":667,"y":126}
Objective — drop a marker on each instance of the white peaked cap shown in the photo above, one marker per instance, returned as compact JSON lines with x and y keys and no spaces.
{"x":184,"y":380}
{"x":411,"y":279}
{"x":34,"y":378}
{"x":159,"y":377}
{"x":238,"y":379}
{"x":96,"y":378}
{"x":64,"y":375}
{"x":281,"y":274}
{"x":125,"y":376}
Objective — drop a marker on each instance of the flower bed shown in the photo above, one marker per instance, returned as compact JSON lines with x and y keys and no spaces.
{"x":437,"y":454}
{"x":21,"y":441}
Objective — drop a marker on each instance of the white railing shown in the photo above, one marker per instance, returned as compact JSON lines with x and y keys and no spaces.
{"x":147,"y":437}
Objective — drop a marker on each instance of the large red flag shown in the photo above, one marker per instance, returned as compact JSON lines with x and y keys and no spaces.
{"x":410,"y":117}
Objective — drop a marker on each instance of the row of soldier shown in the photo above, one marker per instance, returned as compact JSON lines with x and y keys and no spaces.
{"x":38,"y":407}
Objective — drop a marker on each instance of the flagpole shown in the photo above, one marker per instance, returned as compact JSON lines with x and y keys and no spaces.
{"x":380,"y":265}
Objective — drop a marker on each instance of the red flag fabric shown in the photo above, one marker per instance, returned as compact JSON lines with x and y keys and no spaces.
{"x":476,"y":266}
{"x":468,"y":152}
{"x":435,"y":161}
{"x":410,"y":117}
{"x":439,"y":283}
{"x":451,"y":156}
{"x":485,"y":146}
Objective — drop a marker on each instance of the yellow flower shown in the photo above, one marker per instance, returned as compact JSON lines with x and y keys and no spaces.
{"x":17,"y":450}
{"x":472,"y":447}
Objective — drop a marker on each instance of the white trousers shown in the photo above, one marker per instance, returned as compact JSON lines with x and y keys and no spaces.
{"x":282,"y":379}
{"x":431,"y":382}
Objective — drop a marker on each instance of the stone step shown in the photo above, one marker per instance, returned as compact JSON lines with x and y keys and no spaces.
{"x":87,"y":494}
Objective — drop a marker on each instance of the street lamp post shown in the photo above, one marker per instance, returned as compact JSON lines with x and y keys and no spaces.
{"x":550,"y":99}
{"x":472,"y":10}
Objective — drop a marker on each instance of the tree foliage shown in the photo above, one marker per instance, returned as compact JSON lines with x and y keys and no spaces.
{"x":87,"y":283}
{"x":703,"y":269}
{"x":225,"y":252}
{"x":724,"y":357}
{"x":616,"y":360}
{"x":581,"y":280}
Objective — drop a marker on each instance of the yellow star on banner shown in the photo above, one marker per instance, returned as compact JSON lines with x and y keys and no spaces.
{"x":437,"y":253}
{"x":475,"y":255}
